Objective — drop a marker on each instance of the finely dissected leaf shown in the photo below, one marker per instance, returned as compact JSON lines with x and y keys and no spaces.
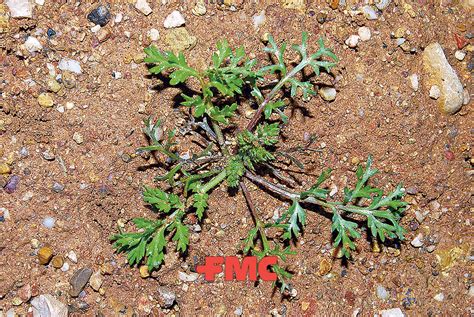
{"x":197,"y":102}
{"x":345,"y":231}
{"x":169,"y":61}
{"x":155,"y":249}
{"x":297,"y":217}
{"x":361,"y":190}
{"x":275,"y":107}
{"x":315,"y":191}
{"x":181,"y":235}
{"x":221,"y":115}
{"x":162,"y":201}
{"x":200,"y":203}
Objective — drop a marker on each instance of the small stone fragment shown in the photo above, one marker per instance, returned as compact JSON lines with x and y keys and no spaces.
{"x":392,"y":312}
{"x":32,"y":45}
{"x":258,"y":19}
{"x":143,"y":7}
{"x":414,"y":81}
{"x":69,"y":80}
{"x":460,"y":55}
{"x":144,"y":273}
{"x":45,"y":100}
{"x":364,"y":33}
{"x":79,"y":280}
{"x":12,"y":184}
{"x":325,"y":267}
{"x":188,"y":277}
{"x":48,"y":306}
{"x":72,"y":256}
{"x":57,"y":261}
{"x":57,"y":187}
{"x":435,"y":92}
{"x":174,"y":20}
{"x":4,"y":168}
{"x":70,"y":65}
{"x":327,"y":93}
{"x":44,"y":255}
{"x":48,"y":222}
{"x":20,"y":8}
{"x":200,"y":8}
{"x":103,"y":35}
{"x":369,"y":12}
{"x":153,"y":35}
{"x":65,"y":267}
{"x":96,"y":281}
{"x":167,"y":297}
{"x":382,"y":293}
{"x":53,"y":85}
{"x":382,"y":4}
{"x":99,"y":16}
{"x":299,"y":5}
{"x":24,"y":293}
{"x":417,"y":242}
{"x":78,"y":138}
{"x":352,"y":41}
{"x":118,"y":17}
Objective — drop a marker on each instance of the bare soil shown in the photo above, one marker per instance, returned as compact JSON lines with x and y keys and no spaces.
{"x":375,"y":111}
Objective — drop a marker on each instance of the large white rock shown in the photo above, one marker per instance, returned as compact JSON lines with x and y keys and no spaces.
{"x":174,"y":20}
{"x":441,"y":74}
{"x":20,"y":8}
{"x":48,"y":306}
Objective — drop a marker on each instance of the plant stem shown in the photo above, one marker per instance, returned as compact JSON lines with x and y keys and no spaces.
{"x":333,"y":206}
{"x":214,"y":182}
{"x":220,"y":137}
{"x":256,"y":117}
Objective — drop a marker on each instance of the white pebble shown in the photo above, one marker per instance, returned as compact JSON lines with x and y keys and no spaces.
{"x":439,"y":297}
{"x":392,"y":312}
{"x":352,"y":41}
{"x":258,"y":19}
{"x":400,"y":41}
{"x":414,"y":81}
{"x":65,"y":267}
{"x":48,"y":222}
{"x":60,"y":109}
{"x":369,"y":12}
{"x":72,"y":256}
{"x":417,"y":242}
{"x":174,"y":20}
{"x":153,"y":35}
{"x":471,"y":291}
{"x":20,"y":8}
{"x":118,"y":18}
{"x":364,"y":33}
{"x":435,"y":92}
{"x":382,"y":4}
{"x":96,"y":28}
{"x":70,"y":65}
{"x":466,"y":97}
{"x":382,"y":293}
{"x":460,"y":55}
{"x":327,"y":93}
{"x":117,"y":75}
{"x":143,"y":7}
{"x":188,"y":277}
{"x":39,"y":2}
{"x":32,"y":44}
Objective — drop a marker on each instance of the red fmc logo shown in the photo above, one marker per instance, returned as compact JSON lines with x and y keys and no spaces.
{"x":233,"y":269}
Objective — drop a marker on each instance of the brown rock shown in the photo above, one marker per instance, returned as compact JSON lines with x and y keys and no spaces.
{"x":325,"y":267}
{"x":79,"y":280}
{"x":44,"y":255}
{"x":57,"y":261}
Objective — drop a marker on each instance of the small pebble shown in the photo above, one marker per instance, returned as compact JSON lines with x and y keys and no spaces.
{"x":32,"y":45}
{"x":96,"y":281}
{"x":48,"y":156}
{"x":327,"y":93}
{"x":72,"y":256}
{"x":12,"y":184}
{"x":414,"y":81}
{"x":48,"y":222}
{"x":78,"y":138}
{"x":200,"y":8}
{"x":57,"y":262}
{"x":67,"y":64}
{"x":364,"y":33}
{"x":65,"y":267}
{"x":417,"y":242}
{"x":51,"y":33}
{"x":35,"y":243}
{"x":369,"y":12}
{"x":118,"y":18}
{"x":144,"y":272}
{"x":153,"y":35}
{"x":45,"y":100}
{"x":57,"y":187}
{"x":5,"y":168}
{"x":238,"y":311}
{"x":99,"y":16}
{"x":460,"y":55}
{"x":143,"y":7}
{"x":79,"y":280}
{"x":382,"y":293}
{"x":439,"y":297}
{"x":44,"y":255}
{"x":174,"y":20}
{"x":352,"y":41}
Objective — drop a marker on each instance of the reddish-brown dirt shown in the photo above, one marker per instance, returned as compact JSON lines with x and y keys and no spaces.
{"x":375,"y":112}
